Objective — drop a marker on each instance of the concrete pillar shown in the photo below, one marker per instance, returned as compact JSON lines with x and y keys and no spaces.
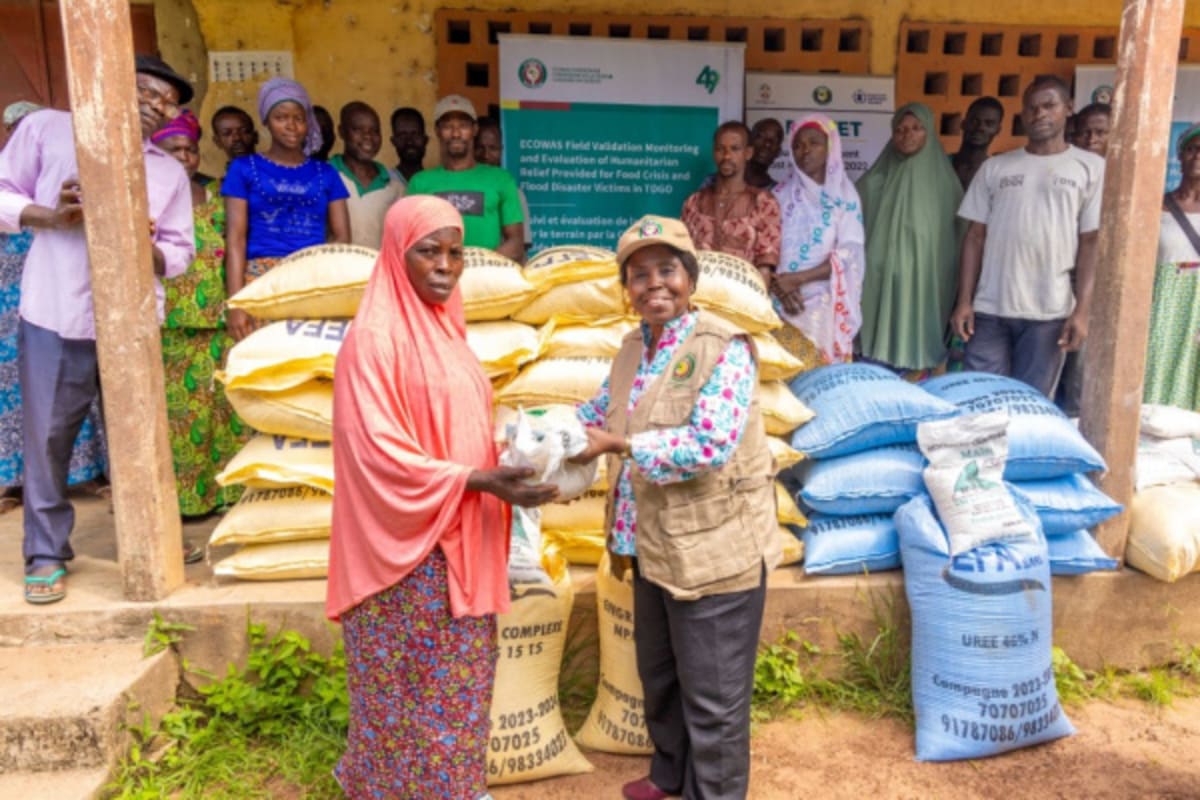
{"x":108,"y":141}
{"x":1133,"y":188}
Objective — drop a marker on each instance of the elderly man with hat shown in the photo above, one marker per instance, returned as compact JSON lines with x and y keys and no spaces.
{"x":39,"y":188}
{"x":692,"y":514}
{"x":486,"y":196}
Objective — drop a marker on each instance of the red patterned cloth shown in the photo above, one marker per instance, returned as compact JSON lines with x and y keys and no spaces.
{"x":749,"y":228}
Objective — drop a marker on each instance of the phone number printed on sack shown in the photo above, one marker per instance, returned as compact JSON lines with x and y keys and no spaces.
{"x":526,"y":762}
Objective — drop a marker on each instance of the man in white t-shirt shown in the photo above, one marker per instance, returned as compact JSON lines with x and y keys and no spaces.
{"x":1034,"y":217}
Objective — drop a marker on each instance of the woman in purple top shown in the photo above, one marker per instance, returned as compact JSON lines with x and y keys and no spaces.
{"x":282,"y":200}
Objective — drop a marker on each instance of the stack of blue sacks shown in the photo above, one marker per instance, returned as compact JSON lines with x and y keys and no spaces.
{"x":1047,"y":459}
{"x":863,"y":464}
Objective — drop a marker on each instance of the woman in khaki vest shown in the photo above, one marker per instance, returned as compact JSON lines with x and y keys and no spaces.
{"x":692,"y":513}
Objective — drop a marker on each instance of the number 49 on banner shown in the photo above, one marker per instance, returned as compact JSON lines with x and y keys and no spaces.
{"x":709,"y":78}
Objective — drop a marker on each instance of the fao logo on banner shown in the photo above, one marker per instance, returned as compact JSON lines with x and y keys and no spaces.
{"x":822,"y":95}
{"x":532,"y":73}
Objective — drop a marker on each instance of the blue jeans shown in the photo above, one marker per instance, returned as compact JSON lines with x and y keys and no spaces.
{"x":1024,"y":349}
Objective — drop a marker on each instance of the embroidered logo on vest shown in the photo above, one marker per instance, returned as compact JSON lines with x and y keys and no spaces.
{"x":684,"y":368}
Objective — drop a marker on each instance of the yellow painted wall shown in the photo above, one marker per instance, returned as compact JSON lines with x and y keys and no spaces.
{"x":383,"y":51}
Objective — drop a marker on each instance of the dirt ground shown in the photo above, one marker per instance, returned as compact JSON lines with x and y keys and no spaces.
{"x":1124,"y":749}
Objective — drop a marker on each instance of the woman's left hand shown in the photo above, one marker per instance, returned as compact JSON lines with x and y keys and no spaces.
{"x":600,"y":442}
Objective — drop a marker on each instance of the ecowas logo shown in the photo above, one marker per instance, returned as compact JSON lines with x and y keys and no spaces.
{"x":532,"y":73}
{"x":709,"y":78}
{"x":822,"y":95}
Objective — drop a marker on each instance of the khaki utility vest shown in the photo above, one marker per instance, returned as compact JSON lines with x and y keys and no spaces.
{"x":711,"y":534}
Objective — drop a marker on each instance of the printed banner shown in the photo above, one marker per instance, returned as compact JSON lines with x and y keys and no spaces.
{"x":1095,"y":85}
{"x":861,"y":105}
{"x":601,"y":131}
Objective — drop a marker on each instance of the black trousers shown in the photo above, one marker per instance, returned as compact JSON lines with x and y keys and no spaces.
{"x":696,"y":661}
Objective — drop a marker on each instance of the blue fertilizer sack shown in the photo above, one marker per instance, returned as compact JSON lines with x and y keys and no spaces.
{"x":836,"y":545}
{"x":1042,"y":442}
{"x":1065,"y":505}
{"x":1078,"y":553}
{"x":874,"y":481}
{"x":982,"y":678}
{"x":861,"y":406}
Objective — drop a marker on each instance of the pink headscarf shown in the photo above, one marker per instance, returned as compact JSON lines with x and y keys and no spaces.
{"x":412,"y":418}
{"x":185,"y":124}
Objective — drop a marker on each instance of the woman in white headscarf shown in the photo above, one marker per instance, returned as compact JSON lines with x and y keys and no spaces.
{"x":817,"y":286}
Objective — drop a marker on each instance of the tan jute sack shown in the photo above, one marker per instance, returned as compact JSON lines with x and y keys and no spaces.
{"x":583,"y":341}
{"x":325,"y":281}
{"x":791,"y":546}
{"x":577,"y":528}
{"x":570,"y":263}
{"x":292,"y":513}
{"x":281,"y":561}
{"x":733,"y":289}
{"x":280,"y":462}
{"x":553,"y":381}
{"x":774,"y":362}
{"x":528,"y":739}
{"x":284,"y":354}
{"x":1164,"y":531}
{"x":503,"y":346}
{"x":589,"y":301}
{"x":616,"y":722}
{"x":782,"y":411}
{"x":784,"y":454}
{"x":492,"y":286}
{"x":304,"y":411}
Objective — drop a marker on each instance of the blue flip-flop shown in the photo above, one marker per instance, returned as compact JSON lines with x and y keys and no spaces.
{"x":45,"y":598}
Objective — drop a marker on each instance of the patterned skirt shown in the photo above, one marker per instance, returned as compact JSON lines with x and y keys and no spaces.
{"x":204,"y":430}
{"x":420,"y":690}
{"x":89,"y":458}
{"x":257,"y":267}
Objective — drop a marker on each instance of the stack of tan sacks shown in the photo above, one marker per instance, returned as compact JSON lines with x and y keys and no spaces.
{"x":1164,"y":517}
{"x":280,"y":381}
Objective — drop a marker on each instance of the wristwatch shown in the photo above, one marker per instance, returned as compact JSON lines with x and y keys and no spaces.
{"x":627,"y":450}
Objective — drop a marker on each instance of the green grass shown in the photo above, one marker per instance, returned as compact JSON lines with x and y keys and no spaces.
{"x":870,"y":677}
{"x":273,"y":729}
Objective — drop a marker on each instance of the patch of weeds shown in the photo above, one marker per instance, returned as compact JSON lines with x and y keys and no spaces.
{"x":1157,"y":686}
{"x":874,"y":676}
{"x":578,"y":676}
{"x":274,"y":728}
{"x":163,"y":635}
{"x":1074,"y":685}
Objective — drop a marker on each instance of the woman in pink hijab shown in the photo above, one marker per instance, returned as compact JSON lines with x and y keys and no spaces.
{"x":418,"y":557}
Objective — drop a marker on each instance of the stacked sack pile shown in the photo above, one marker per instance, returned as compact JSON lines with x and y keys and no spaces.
{"x":1047,"y":462}
{"x":547,"y":334}
{"x":1164,"y":517}
{"x":866,"y":464}
{"x":279,"y":379}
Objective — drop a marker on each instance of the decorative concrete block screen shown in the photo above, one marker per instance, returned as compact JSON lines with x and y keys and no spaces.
{"x":947,"y":66}
{"x":468,"y":53}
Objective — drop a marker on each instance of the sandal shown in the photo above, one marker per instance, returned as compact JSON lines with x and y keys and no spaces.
{"x":9,"y":502}
{"x":48,"y":597}
{"x":192,"y":554}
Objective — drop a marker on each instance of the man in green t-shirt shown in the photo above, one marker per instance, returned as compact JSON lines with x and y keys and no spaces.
{"x":486,"y":196}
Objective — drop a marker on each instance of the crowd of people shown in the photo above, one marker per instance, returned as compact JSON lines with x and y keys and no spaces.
{"x":931,"y":261}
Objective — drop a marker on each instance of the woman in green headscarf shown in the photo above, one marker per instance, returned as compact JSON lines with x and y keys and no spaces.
{"x":910,"y":198}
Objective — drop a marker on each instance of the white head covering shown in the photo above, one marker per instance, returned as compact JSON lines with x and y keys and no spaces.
{"x":15,"y":112}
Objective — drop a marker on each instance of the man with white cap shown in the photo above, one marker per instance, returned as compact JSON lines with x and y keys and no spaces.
{"x":39,"y":189}
{"x":486,"y":196}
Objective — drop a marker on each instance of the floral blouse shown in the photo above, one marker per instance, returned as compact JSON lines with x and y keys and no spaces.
{"x":674,"y":455}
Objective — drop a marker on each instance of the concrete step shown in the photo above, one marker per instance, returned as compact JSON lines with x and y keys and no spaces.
{"x":66,"y":706}
{"x":78,"y":784}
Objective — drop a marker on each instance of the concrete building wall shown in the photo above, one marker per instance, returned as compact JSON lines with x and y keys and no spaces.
{"x":384,"y":51}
